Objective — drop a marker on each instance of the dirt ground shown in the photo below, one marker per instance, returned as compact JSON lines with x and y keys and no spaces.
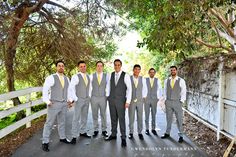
{"x":204,"y":137}
{"x":14,"y":140}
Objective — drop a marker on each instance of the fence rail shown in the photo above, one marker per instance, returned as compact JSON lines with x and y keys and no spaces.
{"x":223,"y":125}
{"x":26,"y":106}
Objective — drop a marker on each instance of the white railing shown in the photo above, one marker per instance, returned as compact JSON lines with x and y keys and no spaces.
{"x":211,"y":126}
{"x":26,"y":106}
{"x":223,"y":118}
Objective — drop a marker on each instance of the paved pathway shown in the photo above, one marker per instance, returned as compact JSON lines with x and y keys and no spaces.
{"x":152,"y":146}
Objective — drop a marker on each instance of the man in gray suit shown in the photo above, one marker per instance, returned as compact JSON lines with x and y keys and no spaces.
{"x":79,"y":93}
{"x":154,"y":94}
{"x":55,"y":96}
{"x":174,"y":96}
{"x":119,"y":99}
{"x":139,"y":93}
{"x":98,"y":97}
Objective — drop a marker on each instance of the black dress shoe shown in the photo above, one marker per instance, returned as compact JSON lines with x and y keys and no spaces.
{"x":45,"y":147}
{"x":110,"y":138}
{"x":131,"y":136}
{"x":165,"y":136}
{"x":147,"y":132}
{"x":73,"y":141}
{"x":95,"y":133}
{"x":140,"y":136}
{"x":154,"y":132}
{"x":64,"y":141}
{"x":104,"y":133}
{"x":123,"y":143}
{"x":85,"y":135}
{"x":181,"y":140}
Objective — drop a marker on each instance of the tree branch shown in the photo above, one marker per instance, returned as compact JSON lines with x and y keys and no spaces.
{"x":226,"y":36}
{"x":223,"y":21}
{"x":215,"y":29}
{"x":50,"y":19}
{"x":37,"y":6}
{"x":213,"y":46}
{"x":60,"y":6}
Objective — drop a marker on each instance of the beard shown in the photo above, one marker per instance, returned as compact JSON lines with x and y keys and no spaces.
{"x":61,"y":71}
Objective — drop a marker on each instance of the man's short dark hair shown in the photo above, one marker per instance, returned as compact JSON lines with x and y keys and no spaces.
{"x":59,"y":61}
{"x":80,"y":62}
{"x":173,"y":66}
{"x":151,"y":69}
{"x":117,"y":60}
{"x":136,"y":66}
{"x":99,"y":62}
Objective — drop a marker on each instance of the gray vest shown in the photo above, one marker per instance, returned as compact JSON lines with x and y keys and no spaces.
{"x":173,"y":93}
{"x":137,"y":92}
{"x":57,"y":92}
{"x":152,"y":91}
{"x":82,"y":91}
{"x":99,"y":90}
{"x":118,"y":92}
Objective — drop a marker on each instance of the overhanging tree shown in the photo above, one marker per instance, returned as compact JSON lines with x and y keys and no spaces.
{"x":35,"y":13}
{"x":53,"y":19}
{"x":181,"y":26}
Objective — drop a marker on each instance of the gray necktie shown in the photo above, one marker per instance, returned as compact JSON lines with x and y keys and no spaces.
{"x":116,"y":78}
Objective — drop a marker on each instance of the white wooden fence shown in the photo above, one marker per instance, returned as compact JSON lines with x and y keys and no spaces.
{"x":26,"y":106}
{"x":217,"y":112}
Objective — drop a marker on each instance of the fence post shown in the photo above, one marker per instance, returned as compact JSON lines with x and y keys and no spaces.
{"x":221,"y":98}
{"x":28,"y":110}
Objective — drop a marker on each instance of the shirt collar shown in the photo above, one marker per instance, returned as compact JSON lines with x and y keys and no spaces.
{"x":119,"y":72}
{"x":100,"y":73}
{"x":135,"y":77}
{"x":176,"y":78}
{"x":59,"y":74}
{"x":82,"y":73}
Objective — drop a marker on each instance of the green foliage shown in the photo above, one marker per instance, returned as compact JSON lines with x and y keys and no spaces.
{"x":169,"y":28}
{"x":37,"y":53}
{"x":38,"y":108}
{"x":4,"y":122}
{"x":2,"y":80}
{"x":170,"y":25}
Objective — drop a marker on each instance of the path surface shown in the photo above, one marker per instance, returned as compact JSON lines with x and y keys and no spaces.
{"x":152,"y":146}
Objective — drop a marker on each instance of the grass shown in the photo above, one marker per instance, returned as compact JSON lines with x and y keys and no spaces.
{"x":4,"y":122}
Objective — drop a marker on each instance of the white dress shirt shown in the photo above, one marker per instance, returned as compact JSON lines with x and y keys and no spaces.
{"x":127,"y":83}
{"x":182,"y":86}
{"x":101,"y":76}
{"x":49,"y":82}
{"x":72,"y":91}
{"x":144,"y":90}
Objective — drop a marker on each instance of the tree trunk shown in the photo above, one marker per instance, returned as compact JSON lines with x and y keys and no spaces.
{"x":21,"y":15}
{"x":9,"y":65}
{"x":11,"y":44}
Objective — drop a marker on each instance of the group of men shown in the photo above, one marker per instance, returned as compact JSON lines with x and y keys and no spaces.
{"x":121,"y":91}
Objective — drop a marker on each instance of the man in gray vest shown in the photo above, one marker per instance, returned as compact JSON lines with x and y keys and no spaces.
{"x":79,"y":93}
{"x":98,"y":97}
{"x":55,"y":96}
{"x":119,"y":99}
{"x":174,"y":96}
{"x":154,"y":94}
{"x":139,"y":93}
